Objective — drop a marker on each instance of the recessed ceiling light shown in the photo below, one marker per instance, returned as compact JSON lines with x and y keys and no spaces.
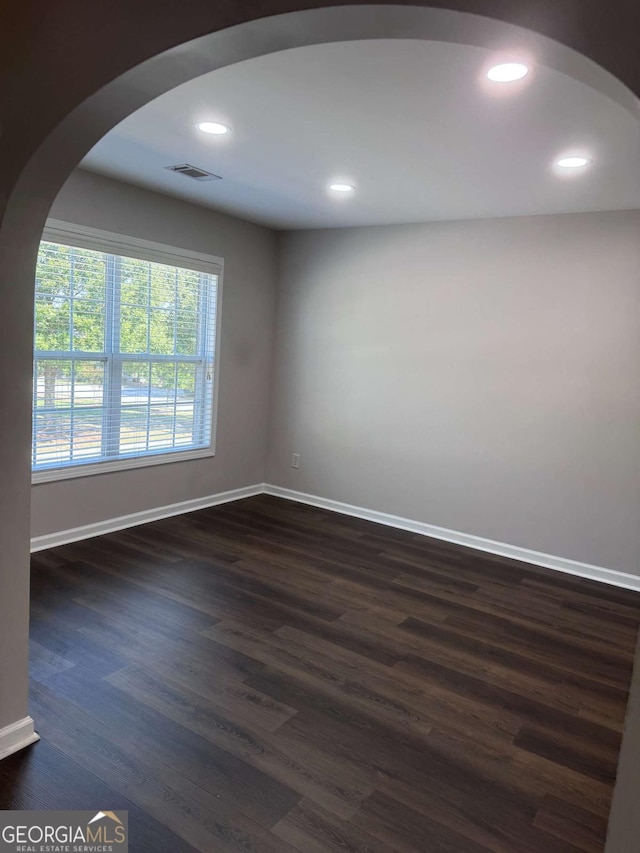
{"x":342,"y":188}
{"x":508,"y":72}
{"x":213,"y":127}
{"x":572,"y":162}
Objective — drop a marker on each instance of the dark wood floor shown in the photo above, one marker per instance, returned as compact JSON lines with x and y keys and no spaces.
{"x":265,"y":676}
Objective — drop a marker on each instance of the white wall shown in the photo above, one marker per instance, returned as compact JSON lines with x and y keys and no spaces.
{"x":249,"y":253}
{"x":480,"y":376}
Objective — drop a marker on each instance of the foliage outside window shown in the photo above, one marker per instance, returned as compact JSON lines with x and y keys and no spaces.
{"x":124,"y":358}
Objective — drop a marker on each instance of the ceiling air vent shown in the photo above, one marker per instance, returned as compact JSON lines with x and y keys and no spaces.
{"x":194,"y":172}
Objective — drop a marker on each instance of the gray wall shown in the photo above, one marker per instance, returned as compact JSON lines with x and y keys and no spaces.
{"x":480,"y":376}
{"x":247,"y":323}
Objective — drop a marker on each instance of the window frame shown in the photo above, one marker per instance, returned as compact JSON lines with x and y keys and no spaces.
{"x":83,"y":237}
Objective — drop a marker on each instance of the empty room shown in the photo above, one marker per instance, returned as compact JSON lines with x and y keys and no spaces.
{"x":320,"y":460}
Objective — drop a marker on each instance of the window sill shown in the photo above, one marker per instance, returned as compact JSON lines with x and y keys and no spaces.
{"x":91,"y":469}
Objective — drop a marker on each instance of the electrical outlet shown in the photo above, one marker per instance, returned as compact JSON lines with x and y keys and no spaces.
{"x":295,"y":460}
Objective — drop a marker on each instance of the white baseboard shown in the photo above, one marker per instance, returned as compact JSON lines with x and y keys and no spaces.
{"x":514,"y":552}
{"x":87,"y":531}
{"x":16,"y":736}
{"x":548,"y":561}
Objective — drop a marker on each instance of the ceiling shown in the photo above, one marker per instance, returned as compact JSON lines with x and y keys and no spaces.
{"x":415,"y":126}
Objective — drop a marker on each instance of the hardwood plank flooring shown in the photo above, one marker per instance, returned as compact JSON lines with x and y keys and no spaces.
{"x":269,"y":677}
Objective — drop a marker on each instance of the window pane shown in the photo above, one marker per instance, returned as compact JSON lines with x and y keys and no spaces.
{"x":158,"y":406}
{"x":136,"y":387}
{"x":68,"y":411}
{"x":53,"y":323}
{"x":161,"y":308}
{"x":53,"y":298}
{"x":188,"y":290}
{"x":69,"y":299}
{"x":134,"y":330}
{"x":171,"y":413}
{"x":186,"y":425}
{"x":163,"y":286}
{"x":162,"y":331}
{"x":88,"y":326}
{"x":187,"y":333}
{"x":135,"y":282}
{"x":89,"y":273}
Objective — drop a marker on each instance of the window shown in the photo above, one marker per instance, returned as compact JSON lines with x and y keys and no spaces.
{"x":124,"y":361}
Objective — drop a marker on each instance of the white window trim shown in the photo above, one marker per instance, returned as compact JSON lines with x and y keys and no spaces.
{"x":69,"y":234}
